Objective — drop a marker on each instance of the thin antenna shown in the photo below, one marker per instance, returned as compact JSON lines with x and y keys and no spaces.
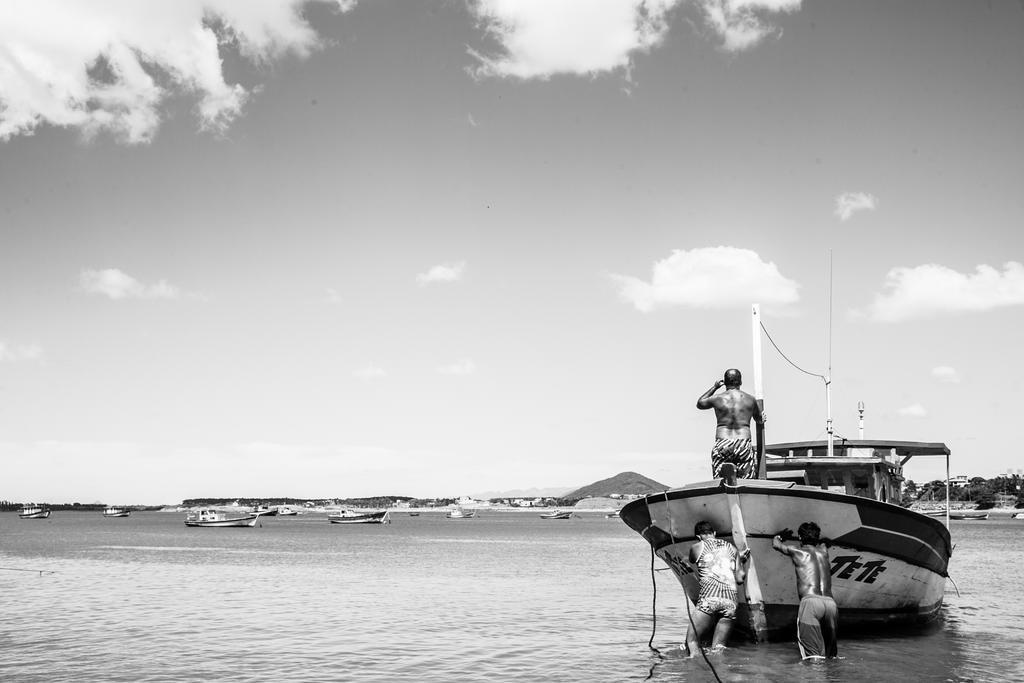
{"x":828,"y":372}
{"x":860,"y":423}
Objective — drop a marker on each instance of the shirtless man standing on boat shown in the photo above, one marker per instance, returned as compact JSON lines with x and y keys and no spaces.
{"x":734,"y":409}
{"x":817,"y":619}
{"x":719,"y":569}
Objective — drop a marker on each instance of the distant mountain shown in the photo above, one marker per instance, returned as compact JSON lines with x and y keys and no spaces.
{"x":622,"y":483}
{"x":550,"y":492}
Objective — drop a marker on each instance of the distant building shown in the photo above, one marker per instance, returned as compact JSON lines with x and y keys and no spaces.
{"x":959,"y":480}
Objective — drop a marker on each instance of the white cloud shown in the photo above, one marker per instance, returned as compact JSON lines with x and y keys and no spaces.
{"x":913,"y":410}
{"x":14,"y":354}
{"x":740,"y":23}
{"x":115,"y":284}
{"x":542,"y":38}
{"x":711,"y":277}
{"x":371,"y":371}
{"x":944,"y":373}
{"x":849,"y":203}
{"x":110,"y":66}
{"x":444,"y":272}
{"x":932,"y":289}
{"x":464,"y":366}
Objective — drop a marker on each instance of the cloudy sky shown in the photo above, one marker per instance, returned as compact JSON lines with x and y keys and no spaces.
{"x":288,"y":248}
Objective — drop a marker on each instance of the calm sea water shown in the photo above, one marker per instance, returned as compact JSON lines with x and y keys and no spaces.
{"x":503,"y":597}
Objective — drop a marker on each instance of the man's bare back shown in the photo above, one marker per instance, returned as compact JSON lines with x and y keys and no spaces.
{"x":734,"y":408}
{"x":813,"y":568}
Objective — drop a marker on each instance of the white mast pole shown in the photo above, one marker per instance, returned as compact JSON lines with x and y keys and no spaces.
{"x":828,"y":373}
{"x":755,"y":329}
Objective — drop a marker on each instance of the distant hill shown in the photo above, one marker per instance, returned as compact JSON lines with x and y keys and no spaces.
{"x":622,"y":483}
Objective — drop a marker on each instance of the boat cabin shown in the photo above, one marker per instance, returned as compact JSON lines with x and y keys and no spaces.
{"x":869,"y":469}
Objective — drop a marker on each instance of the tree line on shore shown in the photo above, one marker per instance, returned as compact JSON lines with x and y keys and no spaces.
{"x":984,"y":494}
{"x":1004,"y":490}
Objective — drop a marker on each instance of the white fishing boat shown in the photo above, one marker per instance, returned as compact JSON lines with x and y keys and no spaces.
{"x":33,"y":511}
{"x":889,"y":563}
{"x":459,"y":513}
{"x":1018,"y":515}
{"x":357,"y":517}
{"x":557,"y":514}
{"x":116,"y":511}
{"x":264,"y":511}
{"x":212,"y":517}
{"x":286,"y":511}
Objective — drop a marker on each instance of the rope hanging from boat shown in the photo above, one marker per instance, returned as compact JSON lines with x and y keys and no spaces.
{"x":654,"y":606}
{"x":654,"y":623}
{"x":954,"y":585}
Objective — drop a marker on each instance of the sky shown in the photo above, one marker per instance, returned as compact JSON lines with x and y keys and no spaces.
{"x":371,"y":247}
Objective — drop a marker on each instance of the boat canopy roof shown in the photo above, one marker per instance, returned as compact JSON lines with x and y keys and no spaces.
{"x":901,"y":448}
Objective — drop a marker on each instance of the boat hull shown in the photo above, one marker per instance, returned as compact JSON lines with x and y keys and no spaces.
{"x":118,"y":513}
{"x":40,"y":514}
{"x":361,"y":518}
{"x":235,"y":522}
{"x":889,"y":564}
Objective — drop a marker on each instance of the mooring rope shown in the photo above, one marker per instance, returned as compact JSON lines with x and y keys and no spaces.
{"x":654,"y":624}
{"x":954,"y":585}
{"x":40,"y":571}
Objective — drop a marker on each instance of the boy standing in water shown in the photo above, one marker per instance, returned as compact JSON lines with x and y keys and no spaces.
{"x":817,"y":619}
{"x":719,"y":569}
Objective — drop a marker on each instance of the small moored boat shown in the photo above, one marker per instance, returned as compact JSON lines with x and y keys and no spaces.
{"x":557,"y":514}
{"x":355,"y":517}
{"x":33,"y":511}
{"x":957,"y":514}
{"x":214,"y":517}
{"x":1018,"y":515}
{"x":116,"y":511}
{"x":969,"y":515}
{"x":460,"y":513}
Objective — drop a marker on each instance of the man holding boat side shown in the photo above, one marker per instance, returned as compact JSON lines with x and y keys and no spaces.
{"x":818,"y":617}
{"x":734,"y":409}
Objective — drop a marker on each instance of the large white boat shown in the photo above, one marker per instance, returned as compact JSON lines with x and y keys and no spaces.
{"x":33,"y":511}
{"x":214,"y":517}
{"x":116,"y":511}
{"x":356,"y":517}
{"x":460,"y":513}
{"x":889,"y":563}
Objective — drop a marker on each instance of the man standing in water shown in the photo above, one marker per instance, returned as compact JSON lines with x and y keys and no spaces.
{"x":817,"y":619}
{"x":733,"y":409}
{"x":719,"y":569}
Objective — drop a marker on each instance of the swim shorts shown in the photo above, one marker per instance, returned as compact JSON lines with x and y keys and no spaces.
{"x":737,"y":451}
{"x":715,"y":606}
{"x":816,"y":626}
